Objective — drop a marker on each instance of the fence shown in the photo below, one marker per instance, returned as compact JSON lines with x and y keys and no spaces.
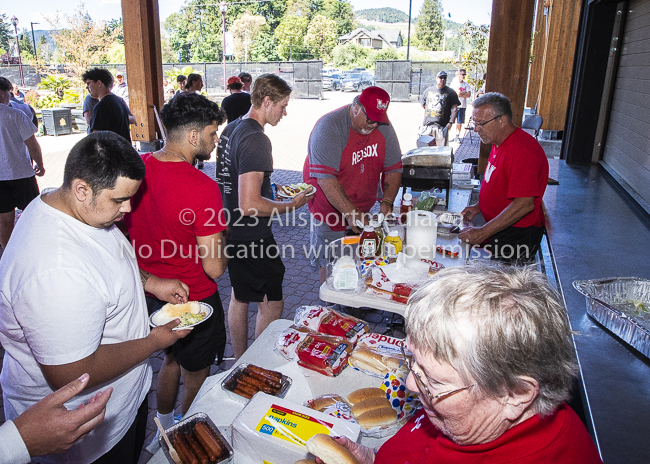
{"x":305,"y":77}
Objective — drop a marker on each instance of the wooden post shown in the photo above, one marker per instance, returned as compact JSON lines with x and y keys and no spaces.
{"x":508,"y":55}
{"x":143,"y":65}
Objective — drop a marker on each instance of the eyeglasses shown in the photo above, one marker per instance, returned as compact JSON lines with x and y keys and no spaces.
{"x":420,"y":382}
{"x":476,"y":123}
{"x":369,"y":121}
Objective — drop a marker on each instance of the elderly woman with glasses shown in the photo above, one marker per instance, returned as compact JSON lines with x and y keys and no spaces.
{"x":493,"y":364}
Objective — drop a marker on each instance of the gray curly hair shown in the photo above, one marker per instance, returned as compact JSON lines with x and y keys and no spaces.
{"x":512,"y":324}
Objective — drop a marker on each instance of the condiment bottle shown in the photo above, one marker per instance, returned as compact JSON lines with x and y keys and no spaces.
{"x":376,"y":224}
{"x":405,"y":207}
{"x":368,"y":243}
{"x":392,"y":244}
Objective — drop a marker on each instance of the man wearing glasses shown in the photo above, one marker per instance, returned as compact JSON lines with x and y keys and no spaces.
{"x":351,"y":151}
{"x":440,"y":105}
{"x":513,"y":185}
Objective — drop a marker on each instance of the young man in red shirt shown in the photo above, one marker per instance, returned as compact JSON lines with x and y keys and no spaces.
{"x":176,"y":228}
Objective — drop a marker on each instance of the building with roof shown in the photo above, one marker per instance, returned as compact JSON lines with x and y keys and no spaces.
{"x":373,"y":39}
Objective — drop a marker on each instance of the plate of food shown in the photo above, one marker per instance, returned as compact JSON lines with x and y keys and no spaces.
{"x":291,"y":190}
{"x":191,"y":313}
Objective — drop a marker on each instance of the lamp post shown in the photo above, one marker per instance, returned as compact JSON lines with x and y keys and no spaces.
{"x":408,"y":37}
{"x":223,"y":7}
{"x":14,"y":21}
{"x":34,"y":41}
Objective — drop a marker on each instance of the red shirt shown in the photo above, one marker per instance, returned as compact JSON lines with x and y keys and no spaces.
{"x":175,"y":204}
{"x":359,"y":173}
{"x":558,"y":439}
{"x":517,"y":168}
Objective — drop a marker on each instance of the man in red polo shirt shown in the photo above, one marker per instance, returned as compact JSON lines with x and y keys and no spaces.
{"x":350,"y":150}
{"x":513,"y":186}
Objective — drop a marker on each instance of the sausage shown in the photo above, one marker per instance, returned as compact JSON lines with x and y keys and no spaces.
{"x":179,"y":451}
{"x":245,"y":387}
{"x":258,"y":384}
{"x":212,"y":446}
{"x":265,"y":372}
{"x":242,"y":393}
{"x":181,"y":444}
{"x":264,"y":380}
{"x":197,"y":448}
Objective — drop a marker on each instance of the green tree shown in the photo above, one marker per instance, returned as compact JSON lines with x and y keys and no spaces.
{"x":342,"y":12}
{"x":475,"y":60}
{"x":5,"y":31}
{"x":290,"y":34}
{"x":266,"y":48}
{"x":245,"y":32}
{"x":273,"y":11}
{"x":384,"y":15}
{"x":43,"y":50}
{"x":351,"y":56}
{"x":428,"y":30}
{"x":195,"y":32}
{"x":321,"y":37}
{"x":26,"y":46}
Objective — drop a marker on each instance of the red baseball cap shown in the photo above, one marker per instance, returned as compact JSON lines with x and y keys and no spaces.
{"x":233,"y":80}
{"x":375,"y":100}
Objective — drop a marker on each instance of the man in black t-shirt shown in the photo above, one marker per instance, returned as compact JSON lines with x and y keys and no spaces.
{"x":237,"y":103}
{"x":440,"y":105}
{"x":254,"y":262}
{"x":111,"y":113}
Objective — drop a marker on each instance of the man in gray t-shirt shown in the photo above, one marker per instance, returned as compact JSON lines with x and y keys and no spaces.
{"x":254,"y":263}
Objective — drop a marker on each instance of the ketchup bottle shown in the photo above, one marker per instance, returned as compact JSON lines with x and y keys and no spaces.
{"x":405,"y":207}
{"x":368,"y":243}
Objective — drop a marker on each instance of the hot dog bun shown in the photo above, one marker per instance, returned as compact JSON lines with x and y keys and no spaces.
{"x":330,"y":451}
{"x":368,"y":360}
{"x":364,"y":393}
{"x":176,"y":310}
{"x":370,"y":404}
{"x":377,"y":418}
{"x":305,"y":461}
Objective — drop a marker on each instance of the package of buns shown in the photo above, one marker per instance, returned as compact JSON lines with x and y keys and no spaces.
{"x":331,"y":404}
{"x":377,"y":354}
{"x":326,"y":354}
{"x":330,"y":322}
{"x":276,"y":430}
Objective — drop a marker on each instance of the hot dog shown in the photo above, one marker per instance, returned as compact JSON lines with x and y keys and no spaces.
{"x":259,"y":384}
{"x":181,"y":444}
{"x":180,"y":452}
{"x":265,"y":372}
{"x":210,"y":444}
{"x":197,"y":448}
{"x":242,"y":393}
{"x":246,"y":387}
{"x":263,"y":379}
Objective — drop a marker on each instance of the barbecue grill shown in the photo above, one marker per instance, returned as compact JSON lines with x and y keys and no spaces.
{"x":425,"y":168}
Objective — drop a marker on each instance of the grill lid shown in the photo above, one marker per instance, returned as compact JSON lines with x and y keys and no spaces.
{"x":429,"y":156}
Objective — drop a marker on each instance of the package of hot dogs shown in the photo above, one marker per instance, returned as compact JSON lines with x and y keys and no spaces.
{"x":326,"y":354}
{"x":330,"y":322}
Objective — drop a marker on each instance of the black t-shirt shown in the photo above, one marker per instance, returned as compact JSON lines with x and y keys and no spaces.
{"x":236,"y":105}
{"x":437,"y":105}
{"x":249,"y":151}
{"x":222,"y":172}
{"x":111,"y":114}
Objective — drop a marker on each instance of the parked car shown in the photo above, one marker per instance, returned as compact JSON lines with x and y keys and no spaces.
{"x":358,"y":81}
{"x":332,"y":82}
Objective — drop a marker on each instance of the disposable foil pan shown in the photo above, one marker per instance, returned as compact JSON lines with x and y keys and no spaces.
{"x":611,"y":303}
{"x":187,"y":425}
{"x":231,"y":379}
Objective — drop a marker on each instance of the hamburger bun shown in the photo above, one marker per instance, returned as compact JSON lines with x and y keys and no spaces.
{"x":377,"y":418}
{"x":322,"y":403}
{"x":370,"y":404}
{"x":365,"y":393}
{"x":176,"y":310}
{"x":329,"y":451}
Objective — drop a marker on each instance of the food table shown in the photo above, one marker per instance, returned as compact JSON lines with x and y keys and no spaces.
{"x":306,"y":384}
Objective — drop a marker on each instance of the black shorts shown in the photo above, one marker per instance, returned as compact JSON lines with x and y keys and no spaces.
{"x":205,"y":343}
{"x":460,"y":116}
{"x":17,"y":193}
{"x":516,"y":245}
{"x":255,"y":269}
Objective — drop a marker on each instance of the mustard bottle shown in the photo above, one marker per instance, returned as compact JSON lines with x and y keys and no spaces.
{"x":392,"y":244}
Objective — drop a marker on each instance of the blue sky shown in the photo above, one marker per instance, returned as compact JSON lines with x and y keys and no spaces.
{"x":477,"y":11}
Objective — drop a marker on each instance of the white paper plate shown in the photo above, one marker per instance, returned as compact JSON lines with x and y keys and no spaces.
{"x":157,"y":318}
{"x":282,"y":195}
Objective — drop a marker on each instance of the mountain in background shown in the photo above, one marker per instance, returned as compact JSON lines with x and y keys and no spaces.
{"x":384,"y":15}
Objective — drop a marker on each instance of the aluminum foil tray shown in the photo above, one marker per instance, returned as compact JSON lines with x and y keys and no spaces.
{"x":188,"y":424}
{"x":236,"y":372}
{"x":611,"y":303}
